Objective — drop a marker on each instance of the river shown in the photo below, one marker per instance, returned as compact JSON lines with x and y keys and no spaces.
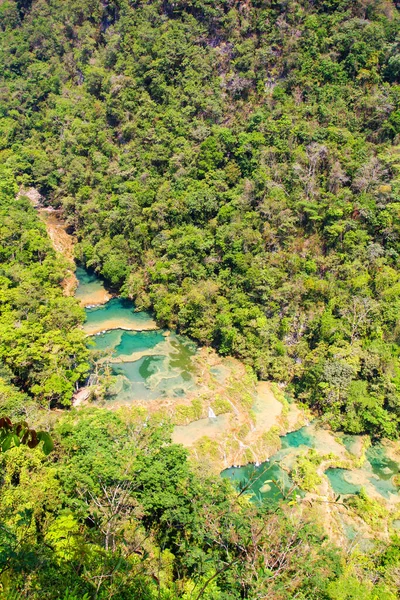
{"x":160,"y":369}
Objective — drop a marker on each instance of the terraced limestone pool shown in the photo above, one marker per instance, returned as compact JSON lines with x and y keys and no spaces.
{"x":150,"y":363}
{"x":271,"y":480}
{"x":147,"y":362}
{"x":117,"y":313}
{"x":377,"y":473}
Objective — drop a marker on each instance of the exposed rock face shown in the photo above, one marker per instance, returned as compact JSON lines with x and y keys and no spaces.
{"x":33,"y":194}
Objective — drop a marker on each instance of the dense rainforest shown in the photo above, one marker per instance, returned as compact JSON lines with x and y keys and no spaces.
{"x":43,"y":354}
{"x":233,"y":167}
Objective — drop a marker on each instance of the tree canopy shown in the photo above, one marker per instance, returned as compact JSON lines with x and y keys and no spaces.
{"x":233,"y":167}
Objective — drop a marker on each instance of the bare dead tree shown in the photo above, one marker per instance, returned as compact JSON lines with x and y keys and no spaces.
{"x":358,"y":313}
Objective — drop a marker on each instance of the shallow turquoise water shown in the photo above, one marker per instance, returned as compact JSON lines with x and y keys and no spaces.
{"x":136,"y":375}
{"x":339,"y":482}
{"x":114,"y":311}
{"x":127,"y":342}
{"x":107,"y":341}
{"x":381,"y":464}
{"x":86,"y":278}
{"x":383,"y":469}
{"x":269,"y":481}
{"x":88,"y":283}
{"x":167,"y":369}
{"x":169,"y":373}
{"x":154,"y":363}
{"x":378,"y":471}
{"x":298,"y":438}
{"x":384,"y":487}
{"x":138,"y":341}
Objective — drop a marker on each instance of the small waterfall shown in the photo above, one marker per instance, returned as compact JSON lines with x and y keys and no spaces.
{"x":211,"y":414}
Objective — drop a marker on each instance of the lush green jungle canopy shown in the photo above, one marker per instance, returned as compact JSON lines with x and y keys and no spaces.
{"x":235,"y":167}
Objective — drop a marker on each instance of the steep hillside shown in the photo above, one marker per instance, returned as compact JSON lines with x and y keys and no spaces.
{"x":232,"y":165}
